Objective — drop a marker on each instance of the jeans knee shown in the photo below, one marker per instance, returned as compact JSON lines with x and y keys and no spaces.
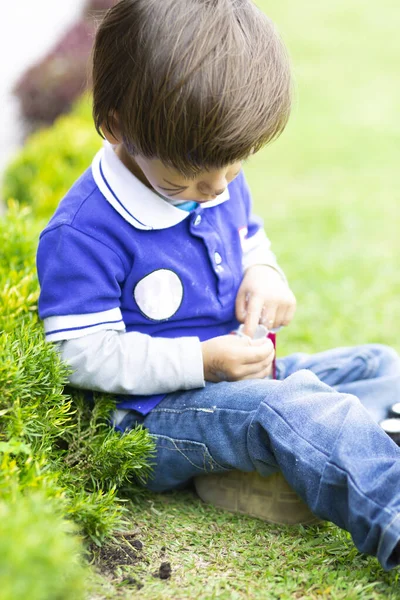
{"x":385,"y":356}
{"x":305,"y":386}
{"x":305,"y":378}
{"x":386,"y":352}
{"x":304,"y":408}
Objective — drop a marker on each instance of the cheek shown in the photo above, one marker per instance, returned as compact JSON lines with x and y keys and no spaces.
{"x":234,"y":172}
{"x":150,"y":170}
{"x":151,"y":177}
{"x":154,"y":181}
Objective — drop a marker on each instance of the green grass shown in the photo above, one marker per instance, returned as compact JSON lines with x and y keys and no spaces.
{"x":214,"y":554}
{"x":328,"y":189}
{"x":329,"y":193}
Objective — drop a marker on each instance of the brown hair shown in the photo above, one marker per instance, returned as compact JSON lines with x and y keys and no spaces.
{"x":195,"y":83}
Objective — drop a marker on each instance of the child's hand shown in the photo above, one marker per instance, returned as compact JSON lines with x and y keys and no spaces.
{"x":232,"y":358}
{"x":264,"y":298}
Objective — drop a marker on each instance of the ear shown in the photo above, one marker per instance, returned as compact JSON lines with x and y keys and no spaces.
{"x":114,"y":136}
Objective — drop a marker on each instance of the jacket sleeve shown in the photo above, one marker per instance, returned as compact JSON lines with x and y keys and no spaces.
{"x":133,"y":363}
{"x":80,"y":280}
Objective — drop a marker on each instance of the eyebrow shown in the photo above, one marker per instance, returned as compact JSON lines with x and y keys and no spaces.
{"x":181,"y":188}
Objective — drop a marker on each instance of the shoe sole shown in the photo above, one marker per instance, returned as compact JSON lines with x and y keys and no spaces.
{"x":268,"y":498}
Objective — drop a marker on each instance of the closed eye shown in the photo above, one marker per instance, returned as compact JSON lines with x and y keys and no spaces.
{"x":174,"y":187}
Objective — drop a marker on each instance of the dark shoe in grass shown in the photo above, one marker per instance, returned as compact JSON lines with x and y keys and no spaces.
{"x":268,"y":498}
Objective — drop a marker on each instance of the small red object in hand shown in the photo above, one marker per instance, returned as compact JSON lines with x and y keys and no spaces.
{"x":272,"y":337}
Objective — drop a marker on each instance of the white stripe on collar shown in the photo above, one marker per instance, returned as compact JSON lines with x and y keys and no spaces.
{"x":135,"y":202}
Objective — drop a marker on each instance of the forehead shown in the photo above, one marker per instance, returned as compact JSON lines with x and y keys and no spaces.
{"x":158,"y":168}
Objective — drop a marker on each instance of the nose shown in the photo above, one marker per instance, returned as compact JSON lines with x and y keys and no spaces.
{"x":213,"y":188}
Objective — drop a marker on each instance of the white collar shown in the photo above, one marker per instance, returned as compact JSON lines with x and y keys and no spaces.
{"x":135,"y":202}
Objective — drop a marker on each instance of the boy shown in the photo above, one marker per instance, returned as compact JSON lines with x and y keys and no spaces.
{"x":153,"y":258}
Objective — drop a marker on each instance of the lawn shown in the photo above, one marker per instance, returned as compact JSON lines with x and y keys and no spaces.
{"x":329,"y":193}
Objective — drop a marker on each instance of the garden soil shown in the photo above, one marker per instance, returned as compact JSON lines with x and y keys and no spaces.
{"x":128,"y":551}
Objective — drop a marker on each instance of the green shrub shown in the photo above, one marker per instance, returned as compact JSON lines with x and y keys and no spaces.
{"x":60,"y":462}
{"x":49,"y":440}
{"x":40,"y":552}
{"x":40,"y":559}
{"x":51,"y":160}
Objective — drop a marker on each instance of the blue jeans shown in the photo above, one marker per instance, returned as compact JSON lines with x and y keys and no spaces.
{"x":317,"y":424}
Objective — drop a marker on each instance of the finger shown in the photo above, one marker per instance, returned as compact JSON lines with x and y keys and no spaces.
{"x":290,"y":312}
{"x":240,"y":305}
{"x":260,"y":367}
{"x":254,"y":369}
{"x":258,"y":352}
{"x":260,"y":374}
{"x":253,"y":314}
{"x":280,"y":316}
{"x":269,"y":316}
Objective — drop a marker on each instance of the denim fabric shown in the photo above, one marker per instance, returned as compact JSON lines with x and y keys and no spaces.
{"x":317,"y":424}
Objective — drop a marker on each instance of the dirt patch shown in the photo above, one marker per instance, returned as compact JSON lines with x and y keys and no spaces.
{"x":164,"y":572}
{"x":137,"y":544}
{"x":125,"y":552}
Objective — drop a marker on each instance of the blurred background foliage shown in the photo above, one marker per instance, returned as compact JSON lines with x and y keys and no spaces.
{"x":49,"y":88}
{"x":52,"y":159}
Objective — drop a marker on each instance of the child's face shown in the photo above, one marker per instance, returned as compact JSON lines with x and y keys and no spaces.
{"x":208,"y":185}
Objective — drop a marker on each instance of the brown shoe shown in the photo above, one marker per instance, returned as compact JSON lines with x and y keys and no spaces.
{"x":268,"y":498}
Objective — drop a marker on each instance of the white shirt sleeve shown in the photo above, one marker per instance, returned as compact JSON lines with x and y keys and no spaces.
{"x":133,"y":363}
{"x":257,"y":251}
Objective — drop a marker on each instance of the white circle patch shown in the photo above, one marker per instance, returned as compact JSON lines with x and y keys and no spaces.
{"x":159,"y":294}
